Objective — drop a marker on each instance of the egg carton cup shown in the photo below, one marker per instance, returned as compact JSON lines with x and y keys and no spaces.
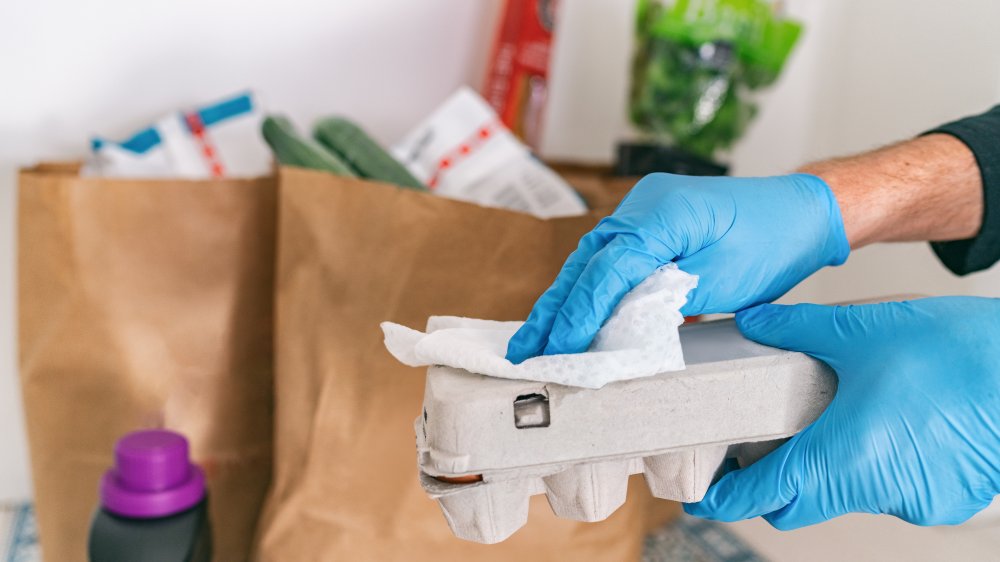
{"x":511,"y":439}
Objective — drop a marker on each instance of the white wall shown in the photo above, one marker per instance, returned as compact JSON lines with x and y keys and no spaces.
{"x":71,"y":69}
{"x":886,"y":70}
{"x":866,"y":72}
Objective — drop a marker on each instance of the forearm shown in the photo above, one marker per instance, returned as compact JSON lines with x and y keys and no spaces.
{"x":928,"y":188}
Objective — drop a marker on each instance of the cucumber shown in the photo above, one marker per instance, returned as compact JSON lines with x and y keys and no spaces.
{"x":369,"y":160}
{"x":292,"y":149}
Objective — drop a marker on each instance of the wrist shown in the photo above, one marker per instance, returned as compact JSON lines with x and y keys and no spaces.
{"x":834,"y":245}
{"x":862,"y":214}
{"x":928,"y":188}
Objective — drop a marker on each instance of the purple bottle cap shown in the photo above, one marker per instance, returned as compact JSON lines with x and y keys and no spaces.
{"x":152,"y":477}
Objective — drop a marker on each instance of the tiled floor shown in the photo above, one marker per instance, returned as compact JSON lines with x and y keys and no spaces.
{"x":18,"y":535}
{"x":858,"y":538}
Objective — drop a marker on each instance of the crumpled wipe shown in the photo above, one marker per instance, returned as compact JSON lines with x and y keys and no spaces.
{"x":640,"y":339}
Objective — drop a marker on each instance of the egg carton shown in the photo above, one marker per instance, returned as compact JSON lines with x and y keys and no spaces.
{"x":485,"y":445}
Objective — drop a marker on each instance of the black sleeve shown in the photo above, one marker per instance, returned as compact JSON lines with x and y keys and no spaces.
{"x":981,"y":134}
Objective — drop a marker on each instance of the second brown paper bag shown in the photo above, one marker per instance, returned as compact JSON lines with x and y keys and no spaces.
{"x":350,"y":255}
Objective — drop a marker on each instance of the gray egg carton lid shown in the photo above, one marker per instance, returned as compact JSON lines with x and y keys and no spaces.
{"x":736,"y":399}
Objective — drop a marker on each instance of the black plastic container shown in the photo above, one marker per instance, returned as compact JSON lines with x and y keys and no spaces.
{"x":639,"y":159}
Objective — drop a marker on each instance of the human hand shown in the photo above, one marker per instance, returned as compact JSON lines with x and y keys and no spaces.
{"x":749,"y":240}
{"x":913,"y":431}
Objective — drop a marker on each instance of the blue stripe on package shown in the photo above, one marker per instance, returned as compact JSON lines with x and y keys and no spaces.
{"x":221,"y":139}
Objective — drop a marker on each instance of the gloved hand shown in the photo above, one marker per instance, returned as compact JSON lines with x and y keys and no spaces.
{"x":749,"y":240}
{"x":914,"y":430}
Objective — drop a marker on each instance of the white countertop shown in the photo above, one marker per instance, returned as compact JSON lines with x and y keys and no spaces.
{"x":861,"y":537}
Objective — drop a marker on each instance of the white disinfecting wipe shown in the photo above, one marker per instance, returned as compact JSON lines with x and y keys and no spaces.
{"x":639,"y":339}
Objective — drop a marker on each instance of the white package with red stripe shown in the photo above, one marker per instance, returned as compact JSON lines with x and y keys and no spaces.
{"x":463,"y":151}
{"x":221,"y":139}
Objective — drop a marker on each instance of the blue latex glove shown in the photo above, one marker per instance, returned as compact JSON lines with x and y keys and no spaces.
{"x":749,"y":240}
{"x":914,"y":430}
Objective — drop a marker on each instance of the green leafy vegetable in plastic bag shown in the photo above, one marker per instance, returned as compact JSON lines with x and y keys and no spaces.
{"x":695,"y":64}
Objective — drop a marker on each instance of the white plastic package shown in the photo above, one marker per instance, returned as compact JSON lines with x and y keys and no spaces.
{"x":221,"y":139}
{"x":465,"y":152}
{"x":640,"y":339}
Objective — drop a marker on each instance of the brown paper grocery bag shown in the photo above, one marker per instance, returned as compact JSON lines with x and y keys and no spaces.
{"x":350,"y":255}
{"x":145,"y":304}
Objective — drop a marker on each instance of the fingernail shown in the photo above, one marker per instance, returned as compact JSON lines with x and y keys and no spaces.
{"x":514,"y":352}
{"x":556,"y":346}
{"x":517,"y":353}
{"x":561,"y":344}
{"x":689,"y":308}
{"x":751,"y":318}
{"x":696,"y":509}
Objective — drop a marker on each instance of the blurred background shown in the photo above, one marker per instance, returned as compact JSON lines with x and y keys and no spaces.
{"x":865,"y":73}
